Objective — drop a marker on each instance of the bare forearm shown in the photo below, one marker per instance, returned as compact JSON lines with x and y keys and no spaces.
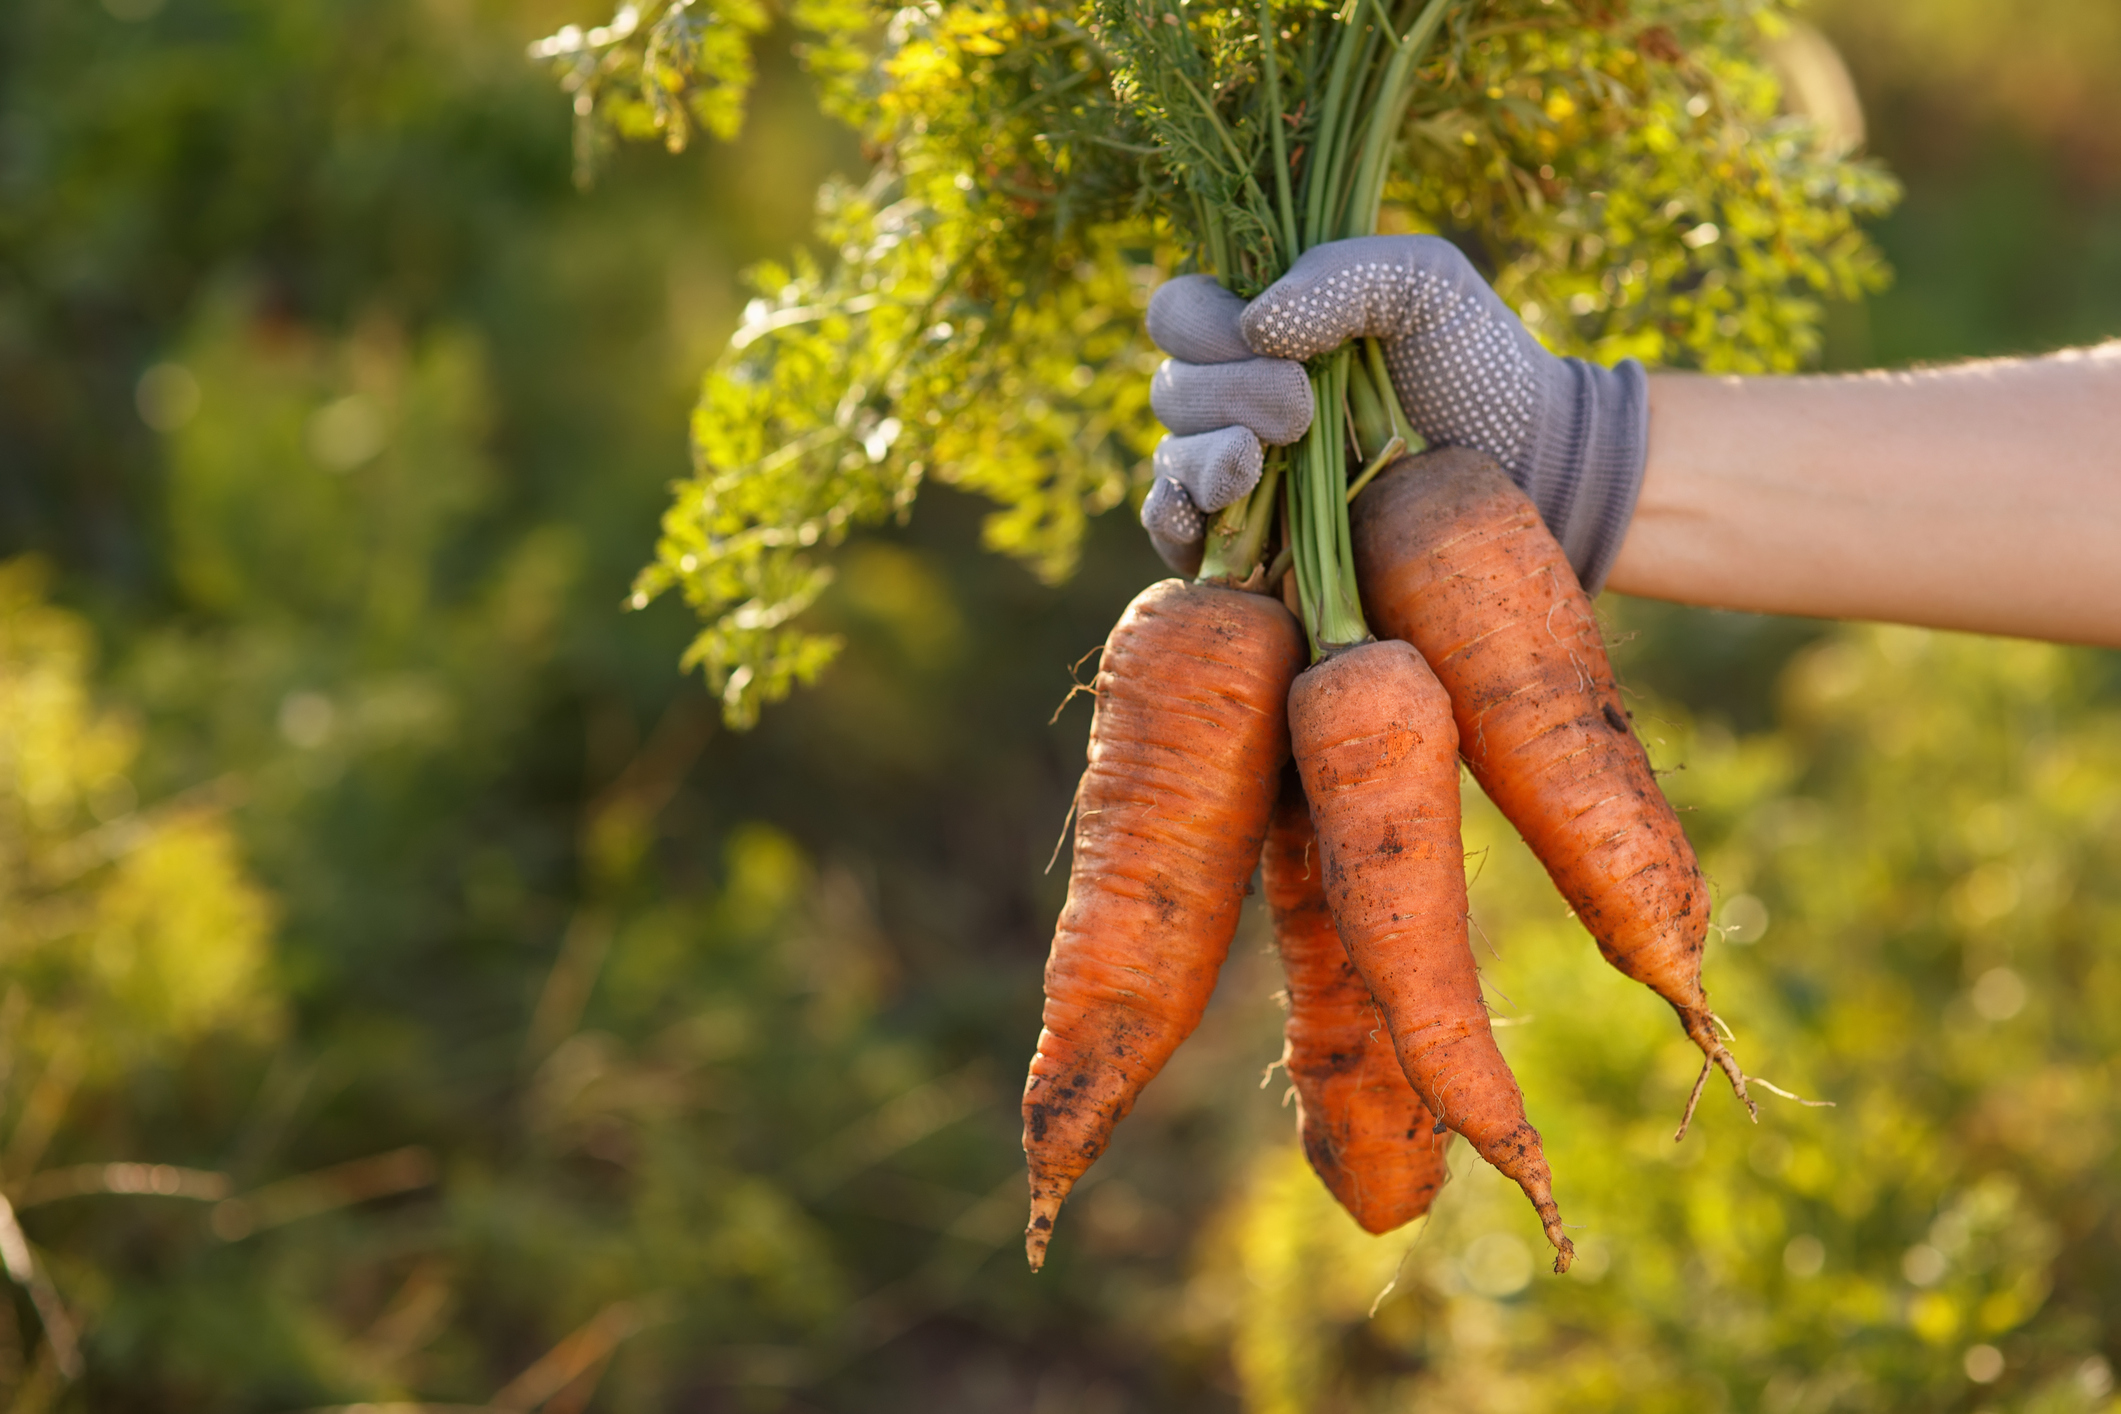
{"x":1984,"y":497}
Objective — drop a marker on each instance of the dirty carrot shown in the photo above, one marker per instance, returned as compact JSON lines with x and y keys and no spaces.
{"x":1186,"y":751}
{"x":1453,"y":558}
{"x":1365,"y":1131}
{"x":1373,"y":737}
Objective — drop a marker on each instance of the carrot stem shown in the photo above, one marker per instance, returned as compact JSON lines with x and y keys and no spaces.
{"x":1238,"y":539}
{"x":1393,"y":450}
{"x":1270,"y":67}
{"x":1394,"y":92}
{"x":1318,"y":172}
{"x":1326,"y":575}
{"x":1353,"y":125}
{"x":1373,"y":353}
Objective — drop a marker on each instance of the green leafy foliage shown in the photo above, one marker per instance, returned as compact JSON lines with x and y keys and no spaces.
{"x":979,"y":325}
{"x":1631,"y":181}
{"x":1637,"y":192}
{"x":655,"y":73}
{"x":1190,"y":77}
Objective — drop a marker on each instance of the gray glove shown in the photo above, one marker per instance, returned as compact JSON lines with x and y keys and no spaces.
{"x":1573,"y":435}
{"x":1221,"y":403}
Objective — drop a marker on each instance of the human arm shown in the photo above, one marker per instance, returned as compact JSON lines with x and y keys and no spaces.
{"x":1982,"y":496}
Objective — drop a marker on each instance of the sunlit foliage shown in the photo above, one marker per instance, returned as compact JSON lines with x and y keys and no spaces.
{"x":978,"y":323}
{"x":140,"y":926}
{"x":1638,"y":192}
{"x":656,"y":74}
{"x":1630,"y":178}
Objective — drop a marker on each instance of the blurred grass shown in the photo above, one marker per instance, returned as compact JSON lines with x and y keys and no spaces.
{"x":411,"y":994}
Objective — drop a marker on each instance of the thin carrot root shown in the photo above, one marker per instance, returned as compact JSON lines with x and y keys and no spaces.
{"x":1702,"y":1028}
{"x":1702,"y":1080}
{"x":1694,"y":1098}
{"x":1774,"y":1089}
{"x":1373,"y":737}
{"x":1454,"y":559}
{"x":1186,"y":749}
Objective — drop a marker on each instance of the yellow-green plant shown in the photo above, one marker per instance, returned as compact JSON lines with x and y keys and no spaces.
{"x":1628,"y":177}
{"x":142,"y":926}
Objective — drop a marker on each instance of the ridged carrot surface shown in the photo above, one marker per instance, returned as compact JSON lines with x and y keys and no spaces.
{"x":1366,"y":1132}
{"x":1453,"y":558}
{"x":1185,"y":759}
{"x":1372,"y":734}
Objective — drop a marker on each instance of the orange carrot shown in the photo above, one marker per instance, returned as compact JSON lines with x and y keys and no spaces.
{"x":1186,"y":751}
{"x":1364,"y":1129}
{"x":1452,"y":558}
{"x":1373,"y":737}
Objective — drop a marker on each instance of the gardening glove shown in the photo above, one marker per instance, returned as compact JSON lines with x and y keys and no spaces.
{"x":1571,"y":434}
{"x":1221,"y":404}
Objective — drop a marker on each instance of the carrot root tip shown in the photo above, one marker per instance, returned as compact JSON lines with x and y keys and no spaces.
{"x":1703,"y":1027}
{"x":1039,"y":1231}
{"x":1774,"y":1089}
{"x":1693,"y":1099}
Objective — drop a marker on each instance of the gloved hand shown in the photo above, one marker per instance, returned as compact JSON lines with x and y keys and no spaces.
{"x":1573,"y":435}
{"x":1221,"y":403}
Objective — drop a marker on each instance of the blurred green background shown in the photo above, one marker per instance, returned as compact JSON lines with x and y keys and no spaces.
{"x":410,"y":995}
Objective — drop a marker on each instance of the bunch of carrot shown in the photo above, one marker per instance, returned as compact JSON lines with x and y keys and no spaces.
{"x":1489,"y":654}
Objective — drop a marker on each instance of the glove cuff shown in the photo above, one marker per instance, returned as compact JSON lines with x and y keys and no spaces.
{"x":1586,"y":460}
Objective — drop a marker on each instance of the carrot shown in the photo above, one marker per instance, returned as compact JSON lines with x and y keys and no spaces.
{"x":1453,"y":558}
{"x":1366,"y":1132}
{"x":1373,"y":737}
{"x":1186,"y":751}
